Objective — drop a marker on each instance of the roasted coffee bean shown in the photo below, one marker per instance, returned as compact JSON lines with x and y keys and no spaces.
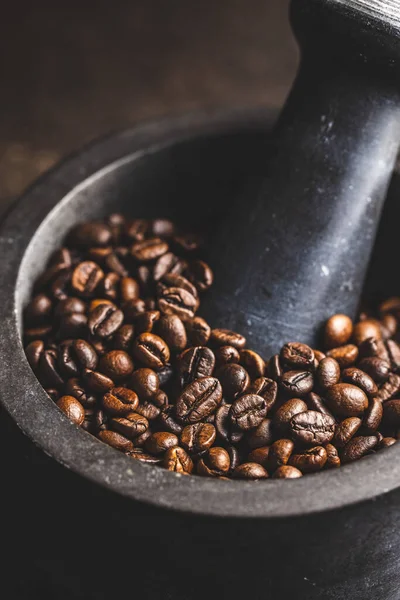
{"x":297,"y":356}
{"x":167,"y":421}
{"x":391,"y":411}
{"x":114,"y":264}
{"x":38,"y":310}
{"x":116,"y":364}
{"x":366,"y":329}
{"x":234,"y":380}
{"x":248,"y":411}
{"x":199,"y":400}
{"x":54,"y":394}
{"x":72,"y":409}
{"x":86,"y":277}
{"x":69,"y":306}
{"x":129,"y":289}
{"x":116,"y":440}
{"x":360,"y":379}
{"x":225,"y":337}
{"x":48,"y":373}
{"x":388,"y":326}
{"x":177,"y":301}
{"x":259,"y":456}
{"x":104,"y":320}
{"x":140,"y":440}
{"x":250,"y":471}
{"x":160,"y":399}
{"x":145,"y":321}
{"x":137,"y":229}
{"x":123,"y":338}
{"x":145,"y":382}
{"x":279,"y":454}
{"x":373,"y":416}
{"x":374,"y":347}
{"x":165,"y":375}
{"x":297,"y":383}
{"x":63,"y":257}
{"x":253,"y":363}
{"x":37,"y":333}
{"x":333,"y":460}
{"x":162,"y":227}
{"x":226,"y":355}
{"x":387,"y":442}
{"x":97,"y":382}
{"x":375,"y":367}
{"x":120,"y":401}
{"x":346,"y":400}
{"x":131,"y":426}
{"x":274,"y":368}
{"x":133,"y":308}
{"x":172,"y":330}
{"x":148,"y":410}
{"x":338,"y":331}
{"x":97,"y":301}
{"x":196,"y":363}
{"x":391,"y":306}
{"x":288,"y":410}
{"x":58,"y":288}
{"x":315,"y":402}
{"x":328,"y":373}
{"x":168,"y":263}
{"x":358,"y":447}
{"x":144,"y":457}
{"x":215,"y":462}
{"x":201,"y":275}
{"x":151,"y":351}
{"x":73,"y":325}
{"x":198,"y":331}
{"x":176,"y":459}
{"x":312,"y":427}
{"x":98,"y":254}
{"x":262,"y":435}
{"x":287,"y":472}
{"x":224,"y":426}
{"x":175,"y":280}
{"x":267,"y":389}
{"x":394,"y":354}
{"x":390,"y":388}
{"x":346,"y":356}
{"x":198,"y":437}
{"x":76,"y":355}
{"x":90,"y":234}
{"x":346,"y":430}
{"x":319,"y":355}
{"x":100,"y":420}
{"x":33,"y":352}
{"x":148,"y":250}
{"x":309,"y":461}
{"x":73,"y":387}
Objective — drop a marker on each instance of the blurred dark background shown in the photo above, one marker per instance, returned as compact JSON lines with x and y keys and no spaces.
{"x":71,"y":71}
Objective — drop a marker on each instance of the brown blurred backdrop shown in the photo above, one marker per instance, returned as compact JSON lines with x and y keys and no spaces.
{"x":71,"y":71}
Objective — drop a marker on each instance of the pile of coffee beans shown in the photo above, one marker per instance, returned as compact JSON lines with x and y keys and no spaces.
{"x":112,"y":334}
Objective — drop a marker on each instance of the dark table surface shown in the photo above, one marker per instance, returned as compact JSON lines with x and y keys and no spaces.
{"x":70,"y":72}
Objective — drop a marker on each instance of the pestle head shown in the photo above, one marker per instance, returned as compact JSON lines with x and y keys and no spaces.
{"x":295,"y":247}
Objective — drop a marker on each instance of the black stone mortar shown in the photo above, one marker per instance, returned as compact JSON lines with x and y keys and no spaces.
{"x":81,"y":520}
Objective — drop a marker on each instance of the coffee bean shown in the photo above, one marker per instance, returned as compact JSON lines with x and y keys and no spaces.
{"x":262,"y":435}
{"x":85,"y":278}
{"x":248,"y":411}
{"x":296,"y":355}
{"x":358,"y":447}
{"x":38,"y":310}
{"x":259,"y":456}
{"x":338,"y":331}
{"x":360,"y":379}
{"x":172,"y":330}
{"x":199,"y":400}
{"x":250,"y":471}
{"x":145,"y":321}
{"x":387,"y":442}
{"x":287,"y":472}
{"x":73,"y":325}
{"x":86,"y":235}
{"x":224,"y":426}
{"x":144,"y":457}
{"x":196,"y":363}
{"x":391,"y":411}
{"x":279,"y":454}
{"x":346,"y":400}
{"x":176,"y":459}
{"x":225,"y":337}
{"x":394,"y":354}
{"x":198,"y":331}
{"x":201,"y":275}
{"x":131,"y":426}
{"x":116,"y":440}
{"x":198,"y":437}
{"x":76,"y":355}
{"x":315,"y":402}
{"x":389,"y":389}
{"x":333,"y":460}
{"x":72,"y":409}
{"x":69,"y":306}
{"x":123,"y":338}
{"x":177,"y":280}
{"x":274,"y":368}
{"x":145,"y":383}
{"x":226,"y":355}
{"x":345,"y":431}
{"x":140,"y":440}
{"x":100,"y":420}
{"x":104,"y":320}
{"x":388,"y":326}
{"x":312,"y":427}
{"x":376,"y":368}
{"x":288,"y":410}
{"x":97,"y":382}
{"x":73,"y":387}
{"x":366,"y":329}
{"x":151,"y":351}
{"x":391,"y":306}
{"x":165,"y":375}
{"x":120,"y":401}
{"x":33,"y":352}
{"x":267,"y":389}
{"x":136,"y":229}
{"x":215,"y":462}
{"x":148,"y":410}
{"x":319,"y":355}
{"x":328,"y":373}
{"x":253,"y":363}
{"x":298,"y":383}
{"x":160,"y":399}
{"x":346,"y":356}
{"x":148,"y":250}
{"x":309,"y":461}
{"x":177,"y":301}
{"x":373,"y":416}
{"x":48,"y":373}
{"x":133,"y":308}
{"x":168,"y":263}
{"x":167,"y":421}
{"x":234,"y":380}
{"x":116,"y":364}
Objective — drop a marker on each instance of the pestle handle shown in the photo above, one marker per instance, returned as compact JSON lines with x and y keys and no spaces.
{"x":296,"y":247}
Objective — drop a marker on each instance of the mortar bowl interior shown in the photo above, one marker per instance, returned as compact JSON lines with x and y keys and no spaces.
{"x":189,"y":169}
